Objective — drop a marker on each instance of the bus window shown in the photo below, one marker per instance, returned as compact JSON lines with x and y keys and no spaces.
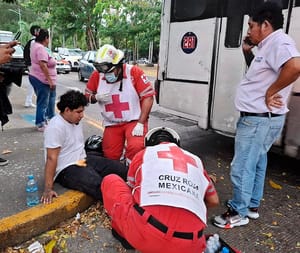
{"x":187,"y":10}
{"x":236,"y":9}
{"x":235,"y":19}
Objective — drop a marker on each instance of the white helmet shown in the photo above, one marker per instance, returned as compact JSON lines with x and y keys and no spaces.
{"x":161,"y":134}
{"x":107,"y":57}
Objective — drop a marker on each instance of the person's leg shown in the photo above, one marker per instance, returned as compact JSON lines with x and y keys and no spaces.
{"x":134,"y":144}
{"x":273,"y":133}
{"x":83,"y":179}
{"x":113,"y":142}
{"x":42,"y":94}
{"x":117,"y":200}
{"x":249,"y":141}
{"x":51,"y":104}
{"x":104,"y":166}
{"x":29,"y":95}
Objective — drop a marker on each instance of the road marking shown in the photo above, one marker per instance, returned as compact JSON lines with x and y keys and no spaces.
{"x":30,"y":118}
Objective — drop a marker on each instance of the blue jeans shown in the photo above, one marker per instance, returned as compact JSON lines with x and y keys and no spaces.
{"x":254,"y":137}
{"x":45,"y":101}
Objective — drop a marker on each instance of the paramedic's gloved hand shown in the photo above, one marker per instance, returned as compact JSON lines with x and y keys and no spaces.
{"x":138,"y":130}
{"x":103,"y":98}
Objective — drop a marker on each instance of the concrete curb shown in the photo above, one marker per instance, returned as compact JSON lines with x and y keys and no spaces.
{"x":22,"y":226}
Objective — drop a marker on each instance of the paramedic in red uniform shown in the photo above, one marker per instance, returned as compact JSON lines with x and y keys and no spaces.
{"x":125,"y":97}
{"x":163,"y":206}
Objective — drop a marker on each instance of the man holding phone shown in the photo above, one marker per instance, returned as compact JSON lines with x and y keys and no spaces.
{"x":6,"y":51}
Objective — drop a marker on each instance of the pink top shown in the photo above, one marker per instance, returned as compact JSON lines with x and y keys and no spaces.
{"x":39,"y":53}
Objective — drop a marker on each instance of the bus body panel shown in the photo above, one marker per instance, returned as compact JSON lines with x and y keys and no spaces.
{"x":195,"y":66}
{"x":230,"y":68}
{"x":191,"y":100}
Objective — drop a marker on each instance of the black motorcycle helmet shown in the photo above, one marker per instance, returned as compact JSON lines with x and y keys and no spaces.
{"x":94,"y":144}
{"x":158,"y":135}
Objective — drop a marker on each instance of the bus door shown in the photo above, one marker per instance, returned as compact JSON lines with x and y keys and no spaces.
{"x":229,"y":69}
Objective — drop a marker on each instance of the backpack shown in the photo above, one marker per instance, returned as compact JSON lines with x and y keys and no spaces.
{"x":26,"y":53}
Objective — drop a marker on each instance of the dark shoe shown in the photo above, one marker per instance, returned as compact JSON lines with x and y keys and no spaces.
{"x":122,"y":240}
{"x":3,"y":162}
{"x":230,"y":219}
{"x":253,"y":213}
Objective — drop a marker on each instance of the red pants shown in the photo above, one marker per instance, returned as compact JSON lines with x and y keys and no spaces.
{"x":115,"y":137}
{"x":129,"y":224}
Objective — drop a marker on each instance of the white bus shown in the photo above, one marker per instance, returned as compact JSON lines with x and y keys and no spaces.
{"x":201,"y":62}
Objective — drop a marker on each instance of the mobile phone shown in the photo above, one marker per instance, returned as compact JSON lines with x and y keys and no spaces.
{"x":248,"y":41}
{"x":17,"y":35}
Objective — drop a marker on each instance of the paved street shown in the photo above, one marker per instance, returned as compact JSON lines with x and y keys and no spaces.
{"x":277,"y":230}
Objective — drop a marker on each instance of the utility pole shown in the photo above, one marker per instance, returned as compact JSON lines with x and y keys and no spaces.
{"x":20,"y":19}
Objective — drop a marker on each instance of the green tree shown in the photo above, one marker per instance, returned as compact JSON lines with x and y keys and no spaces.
{"x":130,"y":24}
{"x":69,"y":20}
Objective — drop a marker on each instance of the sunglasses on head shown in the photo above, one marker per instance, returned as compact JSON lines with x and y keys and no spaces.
{"x":104,"y":67}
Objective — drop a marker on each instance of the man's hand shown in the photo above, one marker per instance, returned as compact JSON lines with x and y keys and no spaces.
{"x":6,"y":51}
{"x":48,"y":196}
{"x":274,"y":101}
{"x":138,"y":130}
{"x":103,"y":98}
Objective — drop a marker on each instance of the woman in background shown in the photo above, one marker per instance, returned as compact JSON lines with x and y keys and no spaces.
{"x":43,"y":77}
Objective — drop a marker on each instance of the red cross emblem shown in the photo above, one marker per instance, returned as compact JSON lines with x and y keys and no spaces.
{"x":180,"y":159}
{"x":117,"y":107}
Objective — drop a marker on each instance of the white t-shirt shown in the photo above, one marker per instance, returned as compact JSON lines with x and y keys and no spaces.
{"x":272,"y":53}
{"x":69,"y":137}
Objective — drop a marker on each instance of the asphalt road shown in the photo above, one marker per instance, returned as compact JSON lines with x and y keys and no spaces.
{"x":277,"y":230}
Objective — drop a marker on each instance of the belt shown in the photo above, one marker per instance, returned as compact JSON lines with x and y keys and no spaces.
{"x":297,"y":94}
{"x":262,"y":114}
{"x":163,"y":228}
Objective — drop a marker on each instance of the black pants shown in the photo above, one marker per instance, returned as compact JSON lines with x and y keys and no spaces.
{"x":88,"y":179}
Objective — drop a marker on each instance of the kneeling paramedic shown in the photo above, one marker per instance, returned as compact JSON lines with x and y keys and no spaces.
{"x":125,"y":98}
{"x":163,"y":206}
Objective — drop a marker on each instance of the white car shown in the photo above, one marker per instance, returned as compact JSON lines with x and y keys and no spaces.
{"x":72,"y":56}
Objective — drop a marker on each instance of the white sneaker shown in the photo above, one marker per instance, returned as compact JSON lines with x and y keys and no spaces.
{"x":30,"y":105}
{"x":230,"y":219}
{"x":253,"y":213}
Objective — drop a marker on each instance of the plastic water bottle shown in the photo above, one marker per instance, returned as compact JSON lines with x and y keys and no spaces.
{"x":32,"y":197}
{"x":213,"y":244}
{"x":217,"y":241}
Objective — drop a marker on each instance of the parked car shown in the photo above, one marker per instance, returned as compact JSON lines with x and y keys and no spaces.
{"x":62,"y":66}
{"x":86,"y":66}
{"x":17,"y":61}
{"x":72,"y":55}
{"x":142,"y":61}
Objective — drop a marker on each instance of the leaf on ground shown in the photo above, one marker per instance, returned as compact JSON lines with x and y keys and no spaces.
{"x":6,"y":151}
{"x":49,"y":247}
{"x":275,"y":185}
{"x":269,"y":235}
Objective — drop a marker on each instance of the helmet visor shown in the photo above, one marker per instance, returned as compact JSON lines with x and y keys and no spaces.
{"x":104,"y":67}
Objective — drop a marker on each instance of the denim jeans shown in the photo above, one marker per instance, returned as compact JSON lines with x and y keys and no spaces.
{"x":254,"y":137}
{"x":45,"y":101}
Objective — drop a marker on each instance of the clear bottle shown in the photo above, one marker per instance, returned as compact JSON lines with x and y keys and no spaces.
{"x":32,"y":195}
{"x":217,"y":242}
